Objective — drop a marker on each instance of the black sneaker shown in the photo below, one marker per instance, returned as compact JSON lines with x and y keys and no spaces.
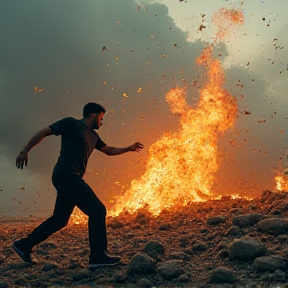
{"x":24,"y":254}
{"x":103,"y":260}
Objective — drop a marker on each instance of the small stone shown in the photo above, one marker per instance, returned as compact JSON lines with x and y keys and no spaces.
{"x":114,"y":223}
{"x":50,"y":266}
{"x":246,"y":248}
{"x":233,"y":231}
{"x":274,"y":226}
{"x":183,"y":278}
{"x":120,"y":277}
{"x":2,"y":259}
{"x":3,"y":284}
{"x":222,"y":275}
{"x":223,"y":253}
{"x":277,"y":276}
{"x":246,"y":220}
{"x":179,"y":256}
{"x":48,"y":245}
{"x":282,"y":238}
{"x":216,"y":220}
{"x":170,"y":269}
{"x":270,"y":263}
{"x":80,"y":275}
{"x":144,"y":283}
{"x":154,"y":249}
{"x":222,"y":245}
{"x":166,"y":226}
{"x":141,"y":264}
{"x":200,"y":247}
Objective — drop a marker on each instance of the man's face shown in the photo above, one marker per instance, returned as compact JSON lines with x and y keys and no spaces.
{"x":98,"y":118}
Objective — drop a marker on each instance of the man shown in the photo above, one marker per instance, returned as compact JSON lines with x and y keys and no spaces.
{"x":78,"y":140}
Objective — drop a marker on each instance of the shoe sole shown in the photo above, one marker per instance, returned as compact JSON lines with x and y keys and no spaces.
{"x":96,"y":266}
{"x":20,"y":254}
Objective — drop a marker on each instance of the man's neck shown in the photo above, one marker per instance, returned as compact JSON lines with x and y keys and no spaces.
{"x":88,"y":122}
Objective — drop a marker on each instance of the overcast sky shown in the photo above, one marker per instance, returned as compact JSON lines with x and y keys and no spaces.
{"x":150,"y":46}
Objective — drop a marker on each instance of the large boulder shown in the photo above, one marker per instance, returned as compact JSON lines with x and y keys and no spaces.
{"x":246,"y":248}
{"x":274,"y":226}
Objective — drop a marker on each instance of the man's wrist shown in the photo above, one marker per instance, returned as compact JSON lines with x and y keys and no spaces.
{"x":24,"y":152}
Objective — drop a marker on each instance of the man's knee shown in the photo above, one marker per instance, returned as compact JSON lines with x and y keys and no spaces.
{"x":101,"y":212}
{"x":60,"y":222}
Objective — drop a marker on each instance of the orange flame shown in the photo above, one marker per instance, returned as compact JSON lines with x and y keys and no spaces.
{"x":181,"y":165}
{"x":282,"y":182}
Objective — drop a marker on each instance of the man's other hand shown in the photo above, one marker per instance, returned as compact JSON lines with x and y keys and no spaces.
{"x":21,"y":159}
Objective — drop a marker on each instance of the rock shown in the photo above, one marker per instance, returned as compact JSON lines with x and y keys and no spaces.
{"x":246,"y":248}
{"x":2,"y":259}
{"x":50,"y":266}
{"x":80,"y":275}
{"x":216,"y":220}
{"x":222,"y":245}
{"x":141,"y":264}
{"x":3,"y":284}
{"x":48,"y":245}
{"x":222,"y":275}
{"x":246,"y":220}
{"x":144,"y":283}
{"x":270,"y":263}
{"x":179,"y":256}
{"x":120,"y":277}
{"x":233,"y":231}
{"x":166,"y":226}
{"x":223,"y":253}
{"x":277,"y":276}
{"x":170,"y":269}
{"x":154,"y":249}
{"x":114,"y":223}
{"x":200,"y":246}
{"x":183,"y":278}
{"x":282,"y":238}
{"x":274,"y":226}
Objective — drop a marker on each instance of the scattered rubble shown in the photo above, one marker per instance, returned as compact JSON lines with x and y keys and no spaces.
{"x":229,"y":242}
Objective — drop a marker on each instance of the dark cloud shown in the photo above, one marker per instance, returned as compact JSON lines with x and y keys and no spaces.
{"x":58,"y":47}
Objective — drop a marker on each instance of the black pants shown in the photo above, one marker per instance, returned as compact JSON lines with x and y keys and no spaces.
{"x":73,"y":190}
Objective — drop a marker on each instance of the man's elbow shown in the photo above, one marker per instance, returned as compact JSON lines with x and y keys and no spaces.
{"x":46,"y":131}
{"x":106,"y":150}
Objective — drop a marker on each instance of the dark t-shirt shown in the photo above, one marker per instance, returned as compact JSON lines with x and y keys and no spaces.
{"x":77,"y":144}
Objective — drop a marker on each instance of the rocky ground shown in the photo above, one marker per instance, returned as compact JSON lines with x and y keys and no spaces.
{"x":220,"y":243}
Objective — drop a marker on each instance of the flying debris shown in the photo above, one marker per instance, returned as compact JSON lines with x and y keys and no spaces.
{"x":104,"y":48}
{"x":201,"y":27}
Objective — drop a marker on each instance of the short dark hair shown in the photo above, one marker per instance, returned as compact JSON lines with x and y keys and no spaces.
{"x":91,"y":107}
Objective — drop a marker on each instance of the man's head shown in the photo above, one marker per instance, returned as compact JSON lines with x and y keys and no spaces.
{"x":96,"y":111}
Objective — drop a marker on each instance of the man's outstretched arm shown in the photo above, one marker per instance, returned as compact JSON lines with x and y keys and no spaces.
{"x":23,"y":156}
{"x":111,"y":151}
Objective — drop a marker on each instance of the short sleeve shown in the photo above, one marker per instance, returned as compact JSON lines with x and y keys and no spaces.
{"x":99,"y":144}
{"x":62,"y":126}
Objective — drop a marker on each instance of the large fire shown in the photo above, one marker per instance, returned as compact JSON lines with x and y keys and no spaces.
{"x":181,"y":166}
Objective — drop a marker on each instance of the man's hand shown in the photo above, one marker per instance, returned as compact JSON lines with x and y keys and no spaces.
{"x":21,"y":159}
{"x":137,"y":147}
